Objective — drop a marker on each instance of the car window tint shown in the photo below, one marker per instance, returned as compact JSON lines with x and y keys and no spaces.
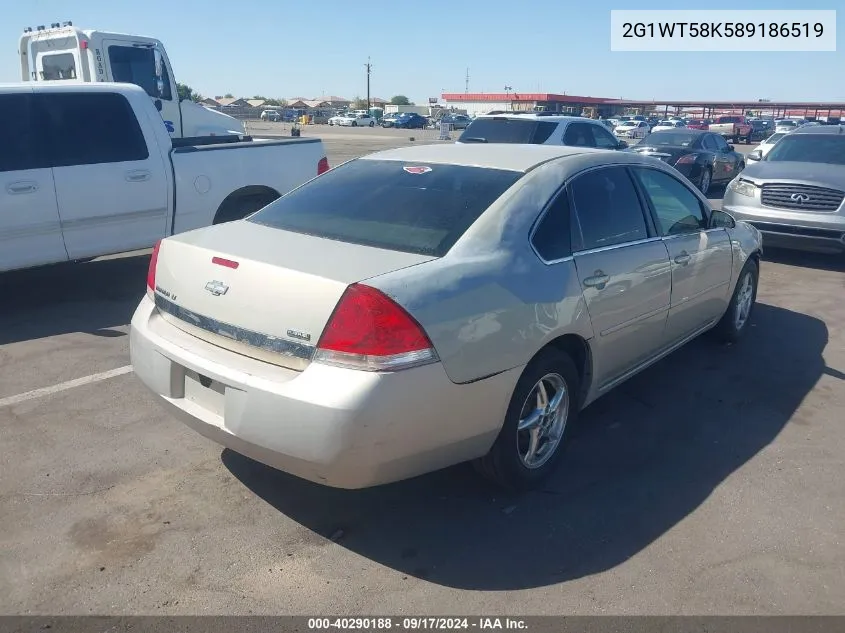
{"x":90,"y":128}
{"x":678,"y":209}
{"x":603,"y":139}
{"x":137,"y":65}
{"x":21,"y":146}
{"x":504,"y":130}
{"x":552,"y":238}
{"x":578,"y":135}
{"x":608,"y":208}
{"x":721,"y":144}
{"x":411,"y":207}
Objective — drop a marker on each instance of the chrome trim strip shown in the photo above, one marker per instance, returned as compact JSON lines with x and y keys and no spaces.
{"x":657,"y":357}
{"x":241,"y":335}
{"x":637,"y":319}
{"x":81,"y":223}
{"x":602,"y":249}
{"x":31,"y":230}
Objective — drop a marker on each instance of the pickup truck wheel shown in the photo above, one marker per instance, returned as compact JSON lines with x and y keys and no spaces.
{"x":241,"y":204}
{"x":735,"y":321}
{"x":542,"y":411}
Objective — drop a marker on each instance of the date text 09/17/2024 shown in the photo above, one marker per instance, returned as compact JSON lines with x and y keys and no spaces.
{"x":385,"y":623}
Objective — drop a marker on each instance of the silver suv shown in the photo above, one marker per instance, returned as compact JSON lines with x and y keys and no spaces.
{"x":540,"y":129}
{"x":795,"y":194}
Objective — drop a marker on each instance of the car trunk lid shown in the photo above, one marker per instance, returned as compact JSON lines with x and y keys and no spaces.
{"x":260,"y":291}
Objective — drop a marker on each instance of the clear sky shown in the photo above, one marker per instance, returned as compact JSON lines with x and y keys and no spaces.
{"x":279,"y":48}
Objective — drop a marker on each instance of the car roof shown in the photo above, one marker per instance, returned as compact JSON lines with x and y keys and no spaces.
{"x":62,"y":86}
{"x":687,"y":130}
{"x":504,"y":156}
{"x":534,"y":116}
{"x":820,"y":129}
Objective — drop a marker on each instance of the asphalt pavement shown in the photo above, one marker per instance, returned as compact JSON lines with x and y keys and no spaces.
{"x":709,"y":484}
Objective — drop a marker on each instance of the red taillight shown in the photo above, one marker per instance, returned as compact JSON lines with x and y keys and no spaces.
{"x":689,"y":159}
{"x":151,"y":272}
{"x":370,"y":331}
{"x":322,"y":166}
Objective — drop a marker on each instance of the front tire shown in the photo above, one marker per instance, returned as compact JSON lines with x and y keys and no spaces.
{"x":354,"y":124}
{"x":542,"y":411}
{"x":735,"y":321}
{"x":372,"y":123}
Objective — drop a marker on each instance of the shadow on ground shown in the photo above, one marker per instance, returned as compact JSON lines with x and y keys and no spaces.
{"x":802,"y":259}
{"x":81,"y":297}
{"x":643,"y":458}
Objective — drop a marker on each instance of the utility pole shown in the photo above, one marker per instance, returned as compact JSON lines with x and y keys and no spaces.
{"x":466,"y":83}
{"x":369,"y":68}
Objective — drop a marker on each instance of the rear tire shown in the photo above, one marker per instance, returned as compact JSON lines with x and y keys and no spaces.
{"x":372,"y":123}
{"x":354,"y":124}
{"x":545,"y":426}
{"x":735,"y":321}
{"x":239,"y":208}
{"x":705,"y":180}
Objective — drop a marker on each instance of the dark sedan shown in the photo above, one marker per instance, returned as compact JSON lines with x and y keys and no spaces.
{"x":703,"y":157}
{"x":410,"y":121}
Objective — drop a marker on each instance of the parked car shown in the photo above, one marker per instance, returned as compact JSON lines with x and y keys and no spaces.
{"x":457,"y":121}
{"x":428,"y":305}
{"x":538,"y":129}
{"x":89,"y":169}
{"x":760,"y":129}
{"x":764,"y":147}
{"x":703,"y":157}
{"x":787,"y":125}
{"x":663,"y":126}
{"x":732,"y":127}
{"x":411,"y":121}
{"x":335,"y":120}
{"x":795,"y":194}
{"x":389,"y":119}
{"x":271,"y":115}
{"x":632,"y":129}
{"x":356,"y":120}
{"x":699,"y":124}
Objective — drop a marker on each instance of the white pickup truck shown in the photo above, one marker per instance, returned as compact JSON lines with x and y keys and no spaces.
{"x":88,"y":170}
{"x":69,"y":54}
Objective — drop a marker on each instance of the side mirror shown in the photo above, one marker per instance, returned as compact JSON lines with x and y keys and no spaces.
{"x":721,"y":220}
{"x":622,"y":145}
{"x":757,"y":154}
{"x":730,"y":147}
{"x":157,"y":104}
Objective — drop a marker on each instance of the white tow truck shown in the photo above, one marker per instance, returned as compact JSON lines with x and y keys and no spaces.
{"x":76,"y":185}
{"x":66,"y":53}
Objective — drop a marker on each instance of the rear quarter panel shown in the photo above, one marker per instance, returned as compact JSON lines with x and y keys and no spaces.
{"x":490,"y":304}
{"x":206,"y":175}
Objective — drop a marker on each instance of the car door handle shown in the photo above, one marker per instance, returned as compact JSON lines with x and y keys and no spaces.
{"x":598,"y":280}
{"x":22,"y":187}
{"x":139,"y":175}
{"x":682,"y":259}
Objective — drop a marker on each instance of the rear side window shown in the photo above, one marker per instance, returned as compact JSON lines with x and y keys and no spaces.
{"x":21,"y":147}
{"x":90,"y":128}
{"x":418,"y":208}
{"x":504,"y":130}
{"x":552,"y":238}
{"x":608,"y":208}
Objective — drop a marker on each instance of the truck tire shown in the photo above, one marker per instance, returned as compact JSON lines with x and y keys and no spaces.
{"x":244,"y":202}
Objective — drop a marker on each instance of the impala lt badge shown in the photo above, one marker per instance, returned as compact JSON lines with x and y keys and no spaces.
{"x":217,"y":288}
{"x":800,"y":198}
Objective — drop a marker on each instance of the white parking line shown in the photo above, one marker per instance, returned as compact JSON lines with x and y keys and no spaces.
{"x":64,"y":386}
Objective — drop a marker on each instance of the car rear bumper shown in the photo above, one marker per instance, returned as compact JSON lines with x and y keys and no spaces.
{"x":334,"y":426}
{"x":820,"y":232}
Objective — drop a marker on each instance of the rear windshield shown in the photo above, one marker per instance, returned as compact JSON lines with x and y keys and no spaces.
{"x":669,"y":138}
{"x":420,"y":208}
{"x":504,"y":130}
{"x":809,"y":148}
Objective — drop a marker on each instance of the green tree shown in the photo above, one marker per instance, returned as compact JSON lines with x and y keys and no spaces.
{"x":400,"y":100}
{"x":276,"y":102}
{"x":228,"y":95}
{"x":186,"y":93}
{"x":359,"y":104}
